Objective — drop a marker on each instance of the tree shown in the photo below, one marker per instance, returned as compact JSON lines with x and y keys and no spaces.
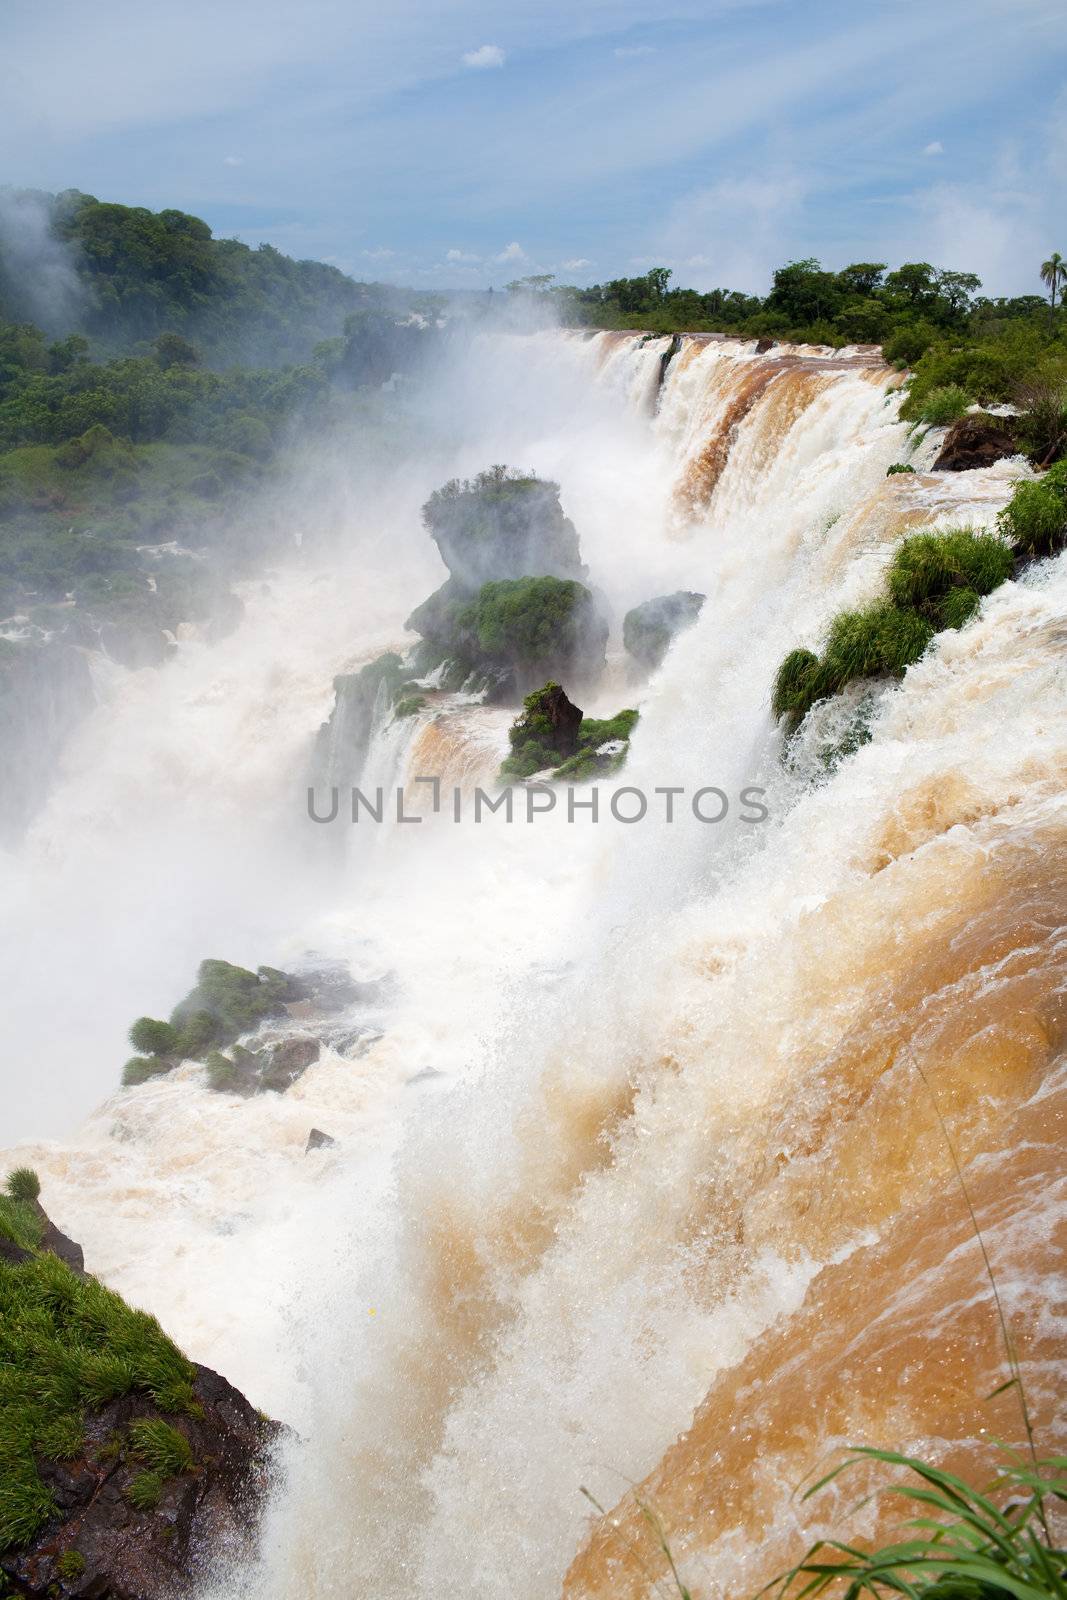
{"x":174,"y":351}
{"x":1054,"y":277}
{"x":658,"y":279}
{"x":862,"y":277}
{"x":804,"y":292}
{"x":956,"y":289}
{"x":915,"y":283}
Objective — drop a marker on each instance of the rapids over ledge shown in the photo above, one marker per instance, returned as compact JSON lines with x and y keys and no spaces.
{"x":675,"y":1207}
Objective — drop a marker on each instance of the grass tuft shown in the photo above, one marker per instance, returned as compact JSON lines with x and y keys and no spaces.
{"x":23,"y":1184}
{"x":139,"y":1069}
{"x":963,"y":1543}
{"x":165,"y":1450}
{"x":145,"y":1491}
{"x":68,"y":1344}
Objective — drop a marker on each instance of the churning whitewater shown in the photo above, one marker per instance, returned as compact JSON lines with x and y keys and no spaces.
{"x":648,"y":1122}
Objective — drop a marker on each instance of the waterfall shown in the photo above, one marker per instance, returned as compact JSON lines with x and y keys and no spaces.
{"x":676,"y":1208}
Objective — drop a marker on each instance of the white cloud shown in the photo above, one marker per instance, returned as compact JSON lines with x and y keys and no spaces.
{"x":934,"y":148}
{"x":233,"y":161}
{"x":577,"y":264}
{"x":487,"y":55}
{"x":511,"y":252}
{"x":461,"y":255}
{"x":733,"y":234}
{"x":377,"y":255}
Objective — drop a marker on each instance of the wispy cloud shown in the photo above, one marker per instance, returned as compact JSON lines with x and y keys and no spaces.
{"x":511,"y":252}
{"x":934,"y":148}
{"x":577,"y":264}
{"x":233,"y":161}
{"x":487,"y":55}
{"x":382,"y":254}
{"x":462,"y":255}
{"x":630,"y":52}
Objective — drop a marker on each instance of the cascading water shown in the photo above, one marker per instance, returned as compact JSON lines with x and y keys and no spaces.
{"x":682,"y":1157}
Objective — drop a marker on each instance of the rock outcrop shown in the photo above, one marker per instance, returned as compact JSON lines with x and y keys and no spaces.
{"x":139,"y":1477}
{"x":977,"y":441}
{"x":648,"y":629}
{"x":101,"y":1545}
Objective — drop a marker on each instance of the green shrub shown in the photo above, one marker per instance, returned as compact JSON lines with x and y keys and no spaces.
{"x":935,"y":581}
{"x":238,"y":1000}
{"x":20,"y":1222}
{"x":540,"y":625}
{"x":1035,"y":518}
{"x":927,"y":566}
{"x":23,"y":1184}
{"x":165,"y":1450}
{"x":153,"y":1038}
{"x":898,"y":467}
{"x":139,"y":1069}
{"x":593,"y":733}
{"x":221,"y":1072}
{"x":958,"y":607}
{"x":145,"y":1491}
{"x":409,"y":706}
{"x":880,"y":640}
{"x":944,"y":405}
{"x":198,"y":1032}
{"x":792,"y":692}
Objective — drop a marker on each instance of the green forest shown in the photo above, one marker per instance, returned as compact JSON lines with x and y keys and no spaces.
{"x":166,"y":382}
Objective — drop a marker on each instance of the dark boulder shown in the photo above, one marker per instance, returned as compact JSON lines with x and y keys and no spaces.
{"x":647,"y":630}
{"x":977,"y":441}
{"x":288,"y":1062}
{"x":317,"y":1140}
{"x":765,"y":344}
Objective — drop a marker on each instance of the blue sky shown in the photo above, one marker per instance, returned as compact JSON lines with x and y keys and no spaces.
{"x":465,"y":143}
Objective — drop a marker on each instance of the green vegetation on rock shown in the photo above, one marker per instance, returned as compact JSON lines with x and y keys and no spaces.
{"x":67,"y":1345}
{"x":23,"y":1184}
{"x":226,"y":1002}
{"x":553,"y":734}
{"x":935,"y":581}
{"x":1035,"y":518}
{"x":502,"y":524}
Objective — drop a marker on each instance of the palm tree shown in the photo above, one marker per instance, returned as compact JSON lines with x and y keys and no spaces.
{"x":1054,"y":277}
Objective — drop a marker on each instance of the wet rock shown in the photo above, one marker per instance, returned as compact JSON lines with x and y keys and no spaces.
{"x":977,"y":441}
{"x":647,"y":630}
{"x":288,"y":1061}
{"x":100,"y":1545}
{"x":317,"y":1140}
{"x":59,"y":1243}
{"x":765,"y":344}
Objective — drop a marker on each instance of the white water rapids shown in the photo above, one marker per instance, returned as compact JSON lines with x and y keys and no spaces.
{"x":520,"y":1273}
